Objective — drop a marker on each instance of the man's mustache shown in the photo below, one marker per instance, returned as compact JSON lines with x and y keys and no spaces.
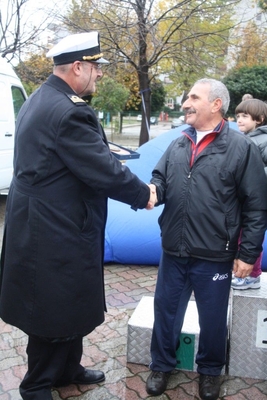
{"x":190,"y":111}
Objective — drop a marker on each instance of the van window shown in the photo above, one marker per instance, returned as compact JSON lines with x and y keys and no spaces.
{"x":18,"y":99}
{"x":3,"y":102}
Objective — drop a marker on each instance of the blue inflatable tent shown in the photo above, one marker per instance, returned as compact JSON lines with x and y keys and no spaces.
{"x":134,"y":237}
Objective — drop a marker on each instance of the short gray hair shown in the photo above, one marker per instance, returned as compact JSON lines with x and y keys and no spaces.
{"x":217,"y":90}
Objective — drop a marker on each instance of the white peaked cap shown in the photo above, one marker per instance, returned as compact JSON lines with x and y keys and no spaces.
{"x":77,"y":47}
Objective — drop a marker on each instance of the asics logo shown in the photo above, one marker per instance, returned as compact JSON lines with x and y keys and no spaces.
{"x":218,"y":277}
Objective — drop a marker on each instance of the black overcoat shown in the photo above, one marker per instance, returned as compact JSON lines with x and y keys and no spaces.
{"x":52,"y":257}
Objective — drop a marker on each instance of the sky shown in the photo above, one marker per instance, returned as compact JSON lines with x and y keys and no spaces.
{"x":34,"y":14}
{"x":37,"y":11}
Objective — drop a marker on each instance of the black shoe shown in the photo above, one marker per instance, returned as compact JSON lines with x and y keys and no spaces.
{"x":209,"y":387}
{"x":156,"y":383}
{"x":88,"y":377}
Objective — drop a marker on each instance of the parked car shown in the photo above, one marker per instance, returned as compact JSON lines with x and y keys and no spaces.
{"x":177,"y":122}
{"x":139,"y":117}
{"x":153,"y":120}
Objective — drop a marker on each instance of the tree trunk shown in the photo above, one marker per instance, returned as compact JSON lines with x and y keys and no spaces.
{"x":146,"y":96}
{"x":143,"y":78}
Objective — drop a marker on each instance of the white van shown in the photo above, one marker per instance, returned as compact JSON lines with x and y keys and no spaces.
{"x":12,"y":96}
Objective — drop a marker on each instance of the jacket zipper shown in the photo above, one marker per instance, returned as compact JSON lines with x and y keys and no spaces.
{"x":227,"y":234}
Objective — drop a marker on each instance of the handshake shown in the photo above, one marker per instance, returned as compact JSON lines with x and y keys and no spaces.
{"x":153,"y":197}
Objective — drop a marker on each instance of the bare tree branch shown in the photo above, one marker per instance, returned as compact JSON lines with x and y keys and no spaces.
{"x":20,"y":29}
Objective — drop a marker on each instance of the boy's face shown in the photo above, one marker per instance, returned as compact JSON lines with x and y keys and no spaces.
{"x":245,"y":122}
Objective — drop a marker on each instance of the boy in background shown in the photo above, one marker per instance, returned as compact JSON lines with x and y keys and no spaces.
{"x":251,"y":118}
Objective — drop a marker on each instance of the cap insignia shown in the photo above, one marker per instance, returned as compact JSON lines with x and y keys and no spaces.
{"x":95,"y":57}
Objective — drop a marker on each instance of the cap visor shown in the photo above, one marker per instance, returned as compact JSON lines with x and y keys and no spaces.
{"x":101,"y":61}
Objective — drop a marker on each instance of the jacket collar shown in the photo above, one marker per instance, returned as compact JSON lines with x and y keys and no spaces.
{"x":219,"y":144}
{"x":260,"y":130}
{"x":191,"y":131}
{"x":60,"y":84}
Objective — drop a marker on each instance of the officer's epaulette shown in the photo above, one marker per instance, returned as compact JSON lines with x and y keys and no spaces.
{"x":75,"y":99}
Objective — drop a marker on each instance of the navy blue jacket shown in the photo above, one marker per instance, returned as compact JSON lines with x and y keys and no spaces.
{"x":210,"y":197}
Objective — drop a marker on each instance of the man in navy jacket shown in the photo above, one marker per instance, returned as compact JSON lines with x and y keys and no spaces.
{"x":212,"y":184}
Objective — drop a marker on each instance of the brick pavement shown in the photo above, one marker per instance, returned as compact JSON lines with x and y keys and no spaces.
{"x":106,"y":348}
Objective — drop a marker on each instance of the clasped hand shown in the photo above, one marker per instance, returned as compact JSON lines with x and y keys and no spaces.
{"x":153,"y":197}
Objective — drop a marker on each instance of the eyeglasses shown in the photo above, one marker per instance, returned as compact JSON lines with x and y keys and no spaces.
{"x":97,"y":66}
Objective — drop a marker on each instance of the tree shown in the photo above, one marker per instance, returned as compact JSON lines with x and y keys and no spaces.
{"x":10,"y":28}
{"x":128,"y":78}
{"x":250,"y":46}
{"x":263,"y":4}
{"x":158,"y":95}
{"x":21,"y":24}
{"x":34,"y":71}
{"x":246,"y":80}
{"x":111,"y":97}
{"x":146,"y":33}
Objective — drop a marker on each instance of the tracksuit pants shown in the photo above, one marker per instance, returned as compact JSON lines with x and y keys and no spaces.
{"x":210,"y":282}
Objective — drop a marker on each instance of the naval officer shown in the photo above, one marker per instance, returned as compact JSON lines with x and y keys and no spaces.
{"x":52,"y":283}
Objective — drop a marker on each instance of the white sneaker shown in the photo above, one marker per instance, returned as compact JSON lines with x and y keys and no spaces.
{"x":246,"y":283}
